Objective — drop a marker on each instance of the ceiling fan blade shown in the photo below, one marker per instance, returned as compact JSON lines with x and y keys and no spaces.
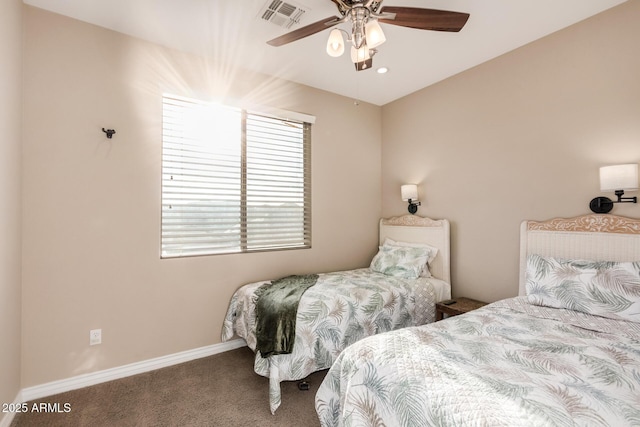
{"x":425,"y":19}
{"x":303,"y":32}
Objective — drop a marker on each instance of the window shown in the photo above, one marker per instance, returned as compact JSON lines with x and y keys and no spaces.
{"x":233,"y":180}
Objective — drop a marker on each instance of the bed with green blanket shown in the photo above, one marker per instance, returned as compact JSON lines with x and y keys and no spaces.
{"x":322,"y":314}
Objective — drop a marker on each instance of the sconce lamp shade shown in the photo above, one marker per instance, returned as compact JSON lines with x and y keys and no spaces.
{"x":619,"y":177}
{"x":409,"y":192}
{"x":335,"y":44}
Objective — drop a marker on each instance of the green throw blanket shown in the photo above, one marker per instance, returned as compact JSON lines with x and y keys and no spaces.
{"x":276,"y":310}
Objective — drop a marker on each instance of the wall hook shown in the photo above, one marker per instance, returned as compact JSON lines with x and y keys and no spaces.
{"x":109,"y":132}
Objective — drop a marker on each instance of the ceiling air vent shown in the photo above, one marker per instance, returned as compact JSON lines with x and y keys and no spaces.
{"x":282,"y":13}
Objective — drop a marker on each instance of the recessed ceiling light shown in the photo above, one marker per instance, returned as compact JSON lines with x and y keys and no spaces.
{"x":382,"y":70}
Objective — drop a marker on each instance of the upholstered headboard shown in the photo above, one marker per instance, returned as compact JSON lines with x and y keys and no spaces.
{"x":592,"y":237}
{"x":416,"y":229}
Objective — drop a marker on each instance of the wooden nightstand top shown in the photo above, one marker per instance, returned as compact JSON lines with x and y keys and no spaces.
{"x":459,"y":306}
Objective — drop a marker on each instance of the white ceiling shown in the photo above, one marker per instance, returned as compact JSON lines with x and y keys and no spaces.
{"x":232,"y":33}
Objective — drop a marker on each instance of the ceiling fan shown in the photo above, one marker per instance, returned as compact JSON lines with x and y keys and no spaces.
{"x":366,"y":33}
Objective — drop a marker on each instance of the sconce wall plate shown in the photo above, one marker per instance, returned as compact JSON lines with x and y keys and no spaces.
{"x":601,"y":205}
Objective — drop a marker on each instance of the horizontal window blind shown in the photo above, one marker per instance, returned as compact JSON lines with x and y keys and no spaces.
{"x":232,"y":180}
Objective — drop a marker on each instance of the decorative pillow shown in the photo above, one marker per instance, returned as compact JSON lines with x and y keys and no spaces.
{"x":603,"y":288}
{"x":400,"y":261}
{"x":432,"y":253}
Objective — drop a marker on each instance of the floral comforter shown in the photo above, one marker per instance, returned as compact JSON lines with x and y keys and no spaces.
{"x":507,"y":364}
{"x":340,"y":309}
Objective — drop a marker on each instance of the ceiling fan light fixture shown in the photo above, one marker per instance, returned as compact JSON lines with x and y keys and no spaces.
{"x":335,"y":43}
{"x":366,"y":34}
{"x":374,"y":34}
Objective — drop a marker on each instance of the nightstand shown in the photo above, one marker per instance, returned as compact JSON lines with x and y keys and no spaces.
{"x":456,"y":306}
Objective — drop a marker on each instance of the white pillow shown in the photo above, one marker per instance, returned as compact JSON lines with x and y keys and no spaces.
{"x":433,"y":251}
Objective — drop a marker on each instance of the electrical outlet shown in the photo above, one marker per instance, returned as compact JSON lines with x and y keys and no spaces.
{"x":95,"y":336}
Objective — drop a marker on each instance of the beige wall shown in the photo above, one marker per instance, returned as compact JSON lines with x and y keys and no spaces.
{"x":520,"y":137}
{"x":92,"y":205}
{"x":10,"y":198}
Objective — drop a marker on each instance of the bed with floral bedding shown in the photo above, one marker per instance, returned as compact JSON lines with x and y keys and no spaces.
{"x":408,"y":275}
{"x":565,"y":352}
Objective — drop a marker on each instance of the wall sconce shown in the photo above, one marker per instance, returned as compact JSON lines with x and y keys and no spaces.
{"x":617,"y":179}
{"x":410,"y":194}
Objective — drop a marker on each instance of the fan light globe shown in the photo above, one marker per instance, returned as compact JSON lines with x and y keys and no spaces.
{"x":335,"y":44}
{"x":374,"y":34}
{"x":359,"y":55}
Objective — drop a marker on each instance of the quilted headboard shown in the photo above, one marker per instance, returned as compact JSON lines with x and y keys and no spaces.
{"x":593,"y":237}
{"x":417,"y":229}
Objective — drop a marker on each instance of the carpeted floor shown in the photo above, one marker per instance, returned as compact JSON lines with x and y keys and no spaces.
{"x":220,"y":390}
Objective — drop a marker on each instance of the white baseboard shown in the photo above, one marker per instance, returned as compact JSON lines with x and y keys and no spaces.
{"x":80,"y":381}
